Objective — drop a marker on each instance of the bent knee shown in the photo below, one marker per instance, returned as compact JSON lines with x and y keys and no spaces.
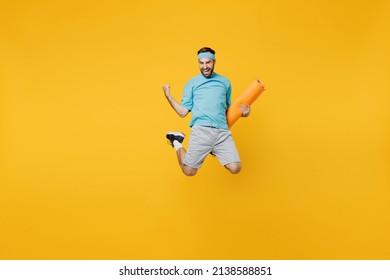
{"x":189,"y":171}
{"x":234,"y":168}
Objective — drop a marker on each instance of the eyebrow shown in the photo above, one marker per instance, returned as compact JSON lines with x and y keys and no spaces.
{"x":205,"y":61}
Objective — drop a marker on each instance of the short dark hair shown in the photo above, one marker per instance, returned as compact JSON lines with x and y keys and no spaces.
{"x":206,"y":49}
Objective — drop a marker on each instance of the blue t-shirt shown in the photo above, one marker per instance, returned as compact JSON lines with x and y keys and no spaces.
{"x":208,"y":100}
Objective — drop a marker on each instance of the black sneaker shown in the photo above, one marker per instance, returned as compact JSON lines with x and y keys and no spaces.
{"x":175,"y":135}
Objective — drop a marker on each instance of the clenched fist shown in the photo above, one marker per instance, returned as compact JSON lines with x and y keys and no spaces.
{"x":166,"y":89}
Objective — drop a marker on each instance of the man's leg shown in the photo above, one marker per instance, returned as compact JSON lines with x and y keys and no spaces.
{"x":234,"y":167}
{"x":227,"y":153}
{"x":176,"y":140}
{"x":189,"y":171}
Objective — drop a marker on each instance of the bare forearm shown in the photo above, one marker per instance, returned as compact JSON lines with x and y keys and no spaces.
{"x":179,"y":109}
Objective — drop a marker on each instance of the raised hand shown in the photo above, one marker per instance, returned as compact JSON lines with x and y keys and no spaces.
{"x":167,"y":89}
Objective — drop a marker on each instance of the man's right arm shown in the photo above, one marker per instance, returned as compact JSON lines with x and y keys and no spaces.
{"x":179,"y":109}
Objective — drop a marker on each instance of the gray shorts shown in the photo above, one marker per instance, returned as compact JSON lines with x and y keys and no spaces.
{"x":204,"y":140}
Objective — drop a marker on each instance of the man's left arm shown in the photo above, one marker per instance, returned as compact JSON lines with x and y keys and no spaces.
{"x":245,"y":108}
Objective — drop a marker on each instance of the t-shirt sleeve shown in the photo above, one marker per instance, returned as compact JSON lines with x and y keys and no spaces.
{"x":187,"y":98}
{"x":229,"y":95}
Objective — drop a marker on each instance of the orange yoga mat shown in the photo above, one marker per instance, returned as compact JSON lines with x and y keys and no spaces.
{"x":246,"y":98}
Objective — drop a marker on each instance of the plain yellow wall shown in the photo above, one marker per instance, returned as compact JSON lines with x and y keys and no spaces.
{"x":86,"y":172}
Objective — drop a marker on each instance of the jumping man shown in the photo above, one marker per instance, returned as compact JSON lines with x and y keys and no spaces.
{"x":207,"y":96}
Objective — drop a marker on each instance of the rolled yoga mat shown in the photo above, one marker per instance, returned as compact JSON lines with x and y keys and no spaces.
{"x":246,"y":98}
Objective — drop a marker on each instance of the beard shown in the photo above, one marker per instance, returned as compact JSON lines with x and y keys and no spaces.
{"x":207,"y":72}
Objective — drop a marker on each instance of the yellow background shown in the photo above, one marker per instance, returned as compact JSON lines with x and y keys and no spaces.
{"x":86,"y":172}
